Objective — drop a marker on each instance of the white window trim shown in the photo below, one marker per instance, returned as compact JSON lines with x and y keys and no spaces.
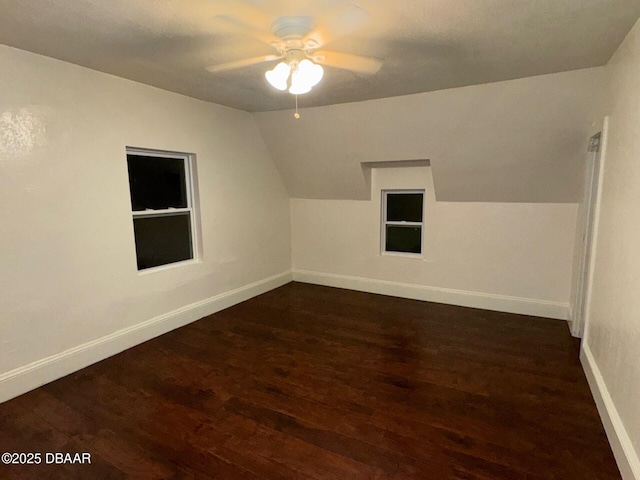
{"x":384,"y":223}
{"x":189,"y":176}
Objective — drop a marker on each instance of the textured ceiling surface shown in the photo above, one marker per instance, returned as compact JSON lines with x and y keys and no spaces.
{"x":425,"y":45}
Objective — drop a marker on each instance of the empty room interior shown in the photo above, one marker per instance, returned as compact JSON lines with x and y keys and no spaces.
{"x":322,"y":239}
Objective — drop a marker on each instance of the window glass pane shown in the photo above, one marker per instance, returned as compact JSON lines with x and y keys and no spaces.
{"x":156,"y":182}
{"x":405,"y":207}
{"x":163,"y":239}
{"x":403,"y":239}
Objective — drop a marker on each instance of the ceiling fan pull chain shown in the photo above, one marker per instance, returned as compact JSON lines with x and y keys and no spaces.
{"x":296,"y":115}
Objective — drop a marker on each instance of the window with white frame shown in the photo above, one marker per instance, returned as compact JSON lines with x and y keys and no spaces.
{"x":402,"y":221}
{"x":161,"y":187}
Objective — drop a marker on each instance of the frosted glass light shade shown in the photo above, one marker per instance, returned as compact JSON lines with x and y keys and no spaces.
{"x":311,"y":72}
{"x":298,"y":84}
{"x":306,"y":75}
{"x":278,"y":76}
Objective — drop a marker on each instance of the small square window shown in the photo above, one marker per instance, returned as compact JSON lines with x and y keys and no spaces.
{"x":402,"y":221}
{"x":161,"y":204}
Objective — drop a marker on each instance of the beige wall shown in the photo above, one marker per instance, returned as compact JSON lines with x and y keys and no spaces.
{"x":68,"y":267}
{"x":613,"y":330}
{"x":491,"y":249}
{"x":516,"y":141}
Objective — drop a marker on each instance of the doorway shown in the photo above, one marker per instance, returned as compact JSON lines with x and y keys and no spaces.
{"x":586,"y":225}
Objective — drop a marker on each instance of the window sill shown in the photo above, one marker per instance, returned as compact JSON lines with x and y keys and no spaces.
{"x":169,"y":266}
{"x":402,"y":255}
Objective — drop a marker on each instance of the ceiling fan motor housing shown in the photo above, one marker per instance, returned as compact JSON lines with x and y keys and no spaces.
{"x":292,"y":27}
{"x":292,"y":30}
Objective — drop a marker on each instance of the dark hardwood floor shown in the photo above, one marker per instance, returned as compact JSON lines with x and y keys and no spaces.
{"x":309,"y":382}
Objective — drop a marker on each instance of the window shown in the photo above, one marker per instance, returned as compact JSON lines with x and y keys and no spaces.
{"x":160,"y":184}
{"x":402,"y":221}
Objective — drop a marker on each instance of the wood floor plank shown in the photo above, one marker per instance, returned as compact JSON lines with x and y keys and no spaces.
{"x":309,"y":382}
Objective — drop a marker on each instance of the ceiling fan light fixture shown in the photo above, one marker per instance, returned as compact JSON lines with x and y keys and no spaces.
{"x":298,"y":84}
{"x":305,"y":77}
{"x":310,"y":72}
{"x":278,"y":76}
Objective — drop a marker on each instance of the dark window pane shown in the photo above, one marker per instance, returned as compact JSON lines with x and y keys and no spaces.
{"x":156,"y":182}
{"x":161,"y":240}
{"x":403,"y":239}
{"x":405,"y":207}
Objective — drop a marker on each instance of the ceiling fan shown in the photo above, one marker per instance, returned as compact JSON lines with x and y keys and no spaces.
{"x":297,"y":39}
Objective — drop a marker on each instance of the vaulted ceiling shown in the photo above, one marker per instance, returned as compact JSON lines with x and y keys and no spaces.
{"x":425,"y":45}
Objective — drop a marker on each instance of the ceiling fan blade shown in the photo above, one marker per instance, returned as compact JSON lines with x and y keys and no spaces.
{"x":200,"y":15}
{"x":338,"y":22}
{"x":235,"y":25}
{"x":348,"y":61}
{"x":243,"y":12}
{"x":246,"y":62}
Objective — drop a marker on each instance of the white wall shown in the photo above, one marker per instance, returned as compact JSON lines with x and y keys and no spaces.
{"x":515,"y":141}
{"x":68,"y":266}
{"x":612,"y":342}
{"x":503,"y":256}
{"x":507,"y":162}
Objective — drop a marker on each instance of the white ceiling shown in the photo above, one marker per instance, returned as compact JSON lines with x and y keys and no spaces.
{"x":426,"y":45}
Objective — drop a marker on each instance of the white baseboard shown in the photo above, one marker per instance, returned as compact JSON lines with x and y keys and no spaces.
{"x":625,"y":454}
{"x":26,"y":378}
{"x":463,"y":298}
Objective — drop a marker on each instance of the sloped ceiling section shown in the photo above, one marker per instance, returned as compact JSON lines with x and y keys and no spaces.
{"x":515,"y":141}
